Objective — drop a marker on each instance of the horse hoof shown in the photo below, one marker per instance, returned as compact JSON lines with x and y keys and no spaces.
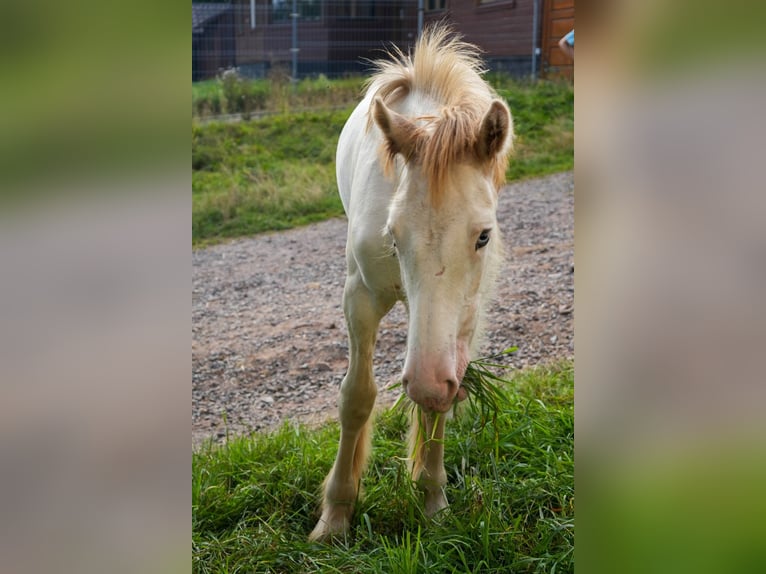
{"x":435,"y":503}
{"x":331,"y":525}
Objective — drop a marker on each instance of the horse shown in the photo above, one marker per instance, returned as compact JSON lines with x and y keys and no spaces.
{"x":419,"y":166}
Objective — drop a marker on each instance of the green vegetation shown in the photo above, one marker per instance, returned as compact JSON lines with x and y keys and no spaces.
{"x":510,"y":484}
{"x":543,"y":117}
{"x":231,"y":93}
{"x":278,"y":171}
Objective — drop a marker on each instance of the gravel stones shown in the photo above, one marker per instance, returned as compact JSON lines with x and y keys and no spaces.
{"x":269,"y":341}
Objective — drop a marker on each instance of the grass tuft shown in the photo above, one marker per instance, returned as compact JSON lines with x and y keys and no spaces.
{"x":484,"y":386}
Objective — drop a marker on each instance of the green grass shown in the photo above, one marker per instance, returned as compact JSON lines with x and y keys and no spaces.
{"x":249,"y":177}
{"x":278,"y":172}
{"x":543,"y":117}
{"x":510,"y":485}
{"x":233,"y":94}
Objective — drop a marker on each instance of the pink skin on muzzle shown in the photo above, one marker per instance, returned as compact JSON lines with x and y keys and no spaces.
{"x":433,"y":381}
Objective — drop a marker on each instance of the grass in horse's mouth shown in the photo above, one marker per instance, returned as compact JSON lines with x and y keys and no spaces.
{"x":482,"y":385}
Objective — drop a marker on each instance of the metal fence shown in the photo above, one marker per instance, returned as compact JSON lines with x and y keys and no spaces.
{"x":337,"y":38}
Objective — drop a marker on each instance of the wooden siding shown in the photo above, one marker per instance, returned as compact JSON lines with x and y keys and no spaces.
{"x":502,"y":28}
{"x":558,"y":19}
{"x":341,"y":37}
{"x":213,"y":47}
{"x":345,"y":36}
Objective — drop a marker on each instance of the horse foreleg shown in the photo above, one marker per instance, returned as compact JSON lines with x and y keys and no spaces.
{"x":357,"y":397}
{"x":427,"y":458}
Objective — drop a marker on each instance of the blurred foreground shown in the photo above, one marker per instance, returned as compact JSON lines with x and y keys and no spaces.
{"x":670,"y":260}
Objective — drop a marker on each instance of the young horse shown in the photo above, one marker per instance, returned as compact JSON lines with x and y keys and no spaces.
{"x":419,"y":165}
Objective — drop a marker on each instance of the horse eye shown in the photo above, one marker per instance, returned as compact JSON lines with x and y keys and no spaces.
{"x":483,"y":239}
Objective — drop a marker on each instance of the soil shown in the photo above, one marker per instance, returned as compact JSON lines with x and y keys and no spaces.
{"x":269,"y":341}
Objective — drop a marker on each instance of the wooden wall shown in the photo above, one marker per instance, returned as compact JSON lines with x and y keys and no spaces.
{"x":558,"y":19}
{"x":501,"y":28}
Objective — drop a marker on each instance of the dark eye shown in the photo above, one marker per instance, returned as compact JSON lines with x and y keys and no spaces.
{"x":483,"y":239}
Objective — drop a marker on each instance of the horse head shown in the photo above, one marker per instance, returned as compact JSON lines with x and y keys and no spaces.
{"x":442,"y":227}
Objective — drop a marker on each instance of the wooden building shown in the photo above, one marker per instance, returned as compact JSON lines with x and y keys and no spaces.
{"x":336,"y":38}
{"x":512,"y":32}
{"x":333,"y":38}
{"x":558,"y":20}
{"x":213,"y":43}
{"x":503,"y":29}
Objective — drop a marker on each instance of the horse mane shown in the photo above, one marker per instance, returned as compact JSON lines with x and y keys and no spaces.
{"x":447,"y":70}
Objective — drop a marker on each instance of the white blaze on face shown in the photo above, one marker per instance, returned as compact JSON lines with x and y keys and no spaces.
{"x":447,"y":256}
{"x":446,"y":240}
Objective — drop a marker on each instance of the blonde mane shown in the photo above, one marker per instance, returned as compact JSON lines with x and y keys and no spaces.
{"x":447,"y":70}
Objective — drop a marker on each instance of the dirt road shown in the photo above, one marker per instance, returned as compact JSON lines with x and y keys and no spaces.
{"x":268,"y":334}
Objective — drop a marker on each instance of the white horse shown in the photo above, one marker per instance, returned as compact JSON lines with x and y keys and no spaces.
{"x":419,"y":166}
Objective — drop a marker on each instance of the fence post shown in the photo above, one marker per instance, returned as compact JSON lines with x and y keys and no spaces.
{"x":535,"y":27}
{"x":294,"y":49}
{"x":420,"y":17}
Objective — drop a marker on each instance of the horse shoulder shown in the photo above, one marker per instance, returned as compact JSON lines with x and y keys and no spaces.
{"x":366,"y":195}
{"x":351,"y":144}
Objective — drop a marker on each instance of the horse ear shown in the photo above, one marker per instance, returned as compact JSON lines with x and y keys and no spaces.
{"x":401,"y":134}
{"x":495,"y":133}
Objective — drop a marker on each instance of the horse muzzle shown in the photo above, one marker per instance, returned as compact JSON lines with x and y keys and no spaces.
{"x":434,"y":385}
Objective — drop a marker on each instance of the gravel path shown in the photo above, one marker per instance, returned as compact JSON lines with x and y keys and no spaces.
{"x":268,"y":334}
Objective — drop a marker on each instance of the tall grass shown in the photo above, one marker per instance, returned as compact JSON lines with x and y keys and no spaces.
{"x":231,"y":93}
{"x":510,"y":484}
{"x":278,"y":171}
{"x":249,"y":177}
{"x":543,"y":117}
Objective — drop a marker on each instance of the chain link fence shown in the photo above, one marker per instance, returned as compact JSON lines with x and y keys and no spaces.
{"x":306,"y":38}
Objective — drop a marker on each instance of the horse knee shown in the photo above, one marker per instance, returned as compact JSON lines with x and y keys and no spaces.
{"x":355,"y":405}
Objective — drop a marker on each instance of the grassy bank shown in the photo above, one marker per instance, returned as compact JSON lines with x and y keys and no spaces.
{"x":278,"y":172}
{"x":543,"y":117}
{"x":510,"y":485}
{"x":269,"y":174}
{"x":233,"y":94}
